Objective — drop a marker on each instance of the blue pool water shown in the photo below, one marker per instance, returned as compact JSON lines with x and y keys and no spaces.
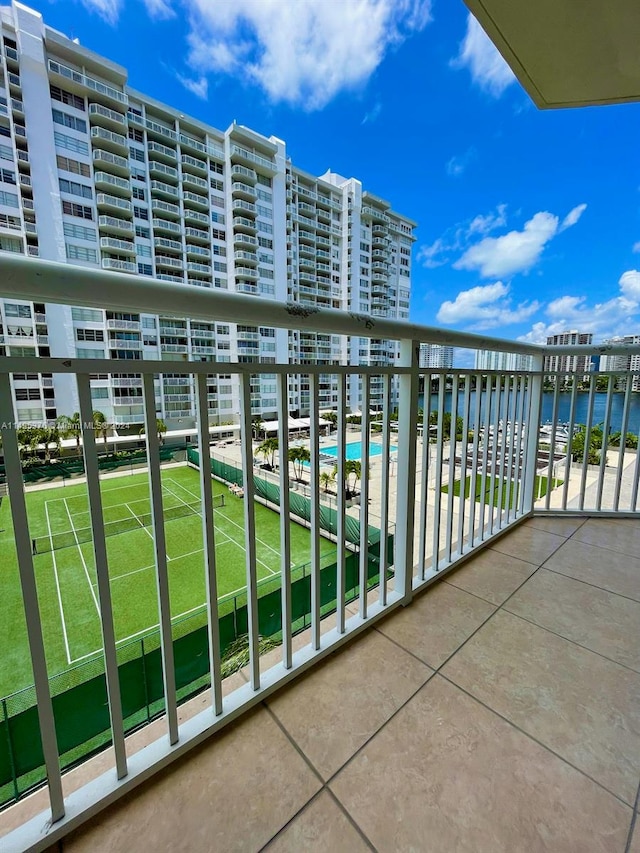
{"x":354,"y":450}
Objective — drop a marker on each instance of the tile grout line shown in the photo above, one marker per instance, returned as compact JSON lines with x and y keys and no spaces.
{"x":348,"y":816}
{"x":589,"y":583}
{"x":634,"y":821}
{"x":535,"y":740}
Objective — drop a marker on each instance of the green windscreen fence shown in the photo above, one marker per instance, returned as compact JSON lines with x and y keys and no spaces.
{"x":79,"y":695}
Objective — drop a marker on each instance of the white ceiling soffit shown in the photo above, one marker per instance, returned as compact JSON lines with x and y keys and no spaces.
{"x":568,"y":53}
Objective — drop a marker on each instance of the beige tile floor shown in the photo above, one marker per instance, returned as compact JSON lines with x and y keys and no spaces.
{"x":499,"y":712}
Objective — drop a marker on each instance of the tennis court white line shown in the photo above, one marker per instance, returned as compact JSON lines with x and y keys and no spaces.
{"x":139,"y":633}
{"x":55,"y":573}
{"x":84,"y":564}
{"x":189,"y":492}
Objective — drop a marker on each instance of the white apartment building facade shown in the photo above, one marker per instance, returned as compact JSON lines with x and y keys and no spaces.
{"x":508,"y":362}
{"x":623,"y":363}
{"x":99,"y":175}
{"x":572,"y":366}
{"x":436,"y":356}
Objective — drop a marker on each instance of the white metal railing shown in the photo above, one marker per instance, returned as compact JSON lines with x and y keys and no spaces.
{"x":480,"y":430}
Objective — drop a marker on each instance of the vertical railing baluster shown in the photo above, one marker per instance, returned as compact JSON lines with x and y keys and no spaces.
{"x":424,"y":482}
{"x":406,"y":488}
{"x":452,"y":467}
{"x":486,"y":435}
{"x":437,"y":498}
{"x":495,"y":452}
{"x":636,"y":480}
{"x":505,"y":384}
{"x":552,"y":444}
{"x":341,"y":503}
{"x":605,"y":441}
{"x":463,"y":463}
{"x":102,"y":573}
{"x":314,"y":436}
{"x":285,"y":517}
{"x":533,"y":431}
{"x":384,"y":487}
{"x":569,"y":454}
{"x":518,"y":500}
{"x":246,"y":438}
{"x":511,"y":426}
{"x":587,"y":443}
{"x":160,"y":553}
{"x":473,"y":480}
{"x":24,"y":552}
{"x":209,"y":543}
{"x":624,"y":426}
{"x":364,"y":495}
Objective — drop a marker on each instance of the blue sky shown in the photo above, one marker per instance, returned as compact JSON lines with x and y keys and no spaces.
{"x":528,"y":221}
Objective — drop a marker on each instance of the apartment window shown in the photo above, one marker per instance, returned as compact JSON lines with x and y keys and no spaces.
{"x":364,"y":247}
{"x":266,"y":182}
{"x":81,"y":352}
{"x":216,"y":201}
{"x":264,"y":258}
{"x":6,"y":153}
{"x":81,"y":253}
{"x":148,"y":323}
{"x":138,"y":193}
{"x":404,"y":251}
{"x":28,"y":415}
{"x":7,"y":176}
{"x":9,"y":221}
{"x":265,"y":273}
{"x":4,"y":131}
{"x":100,"y":393}
{"x":69,"y":121}
{"x":220,"y":282}
{"x":404,"y":272}
{"x":145,"y":269}
{"x":222,"y":330}
{"x":218,"y":168}
{"x":219,"y":266}
{"x":11,"y":244}
{"x":221,"y":251}
{"x":141,"y":213}
{"x":263,"y":195}
{"x":13,"y":309}
{"x":67,"y":98}
{"x":265,"y":227}
{"x":142,"y":232}
{"x":267,"y":289}
{"x":136,"y":154}
{"x":265,"y":243}
{"x":86,"y":315}
{"x":216,"y":184}
{"x":75,"y":166}
{"x":217,"y":217}
{"x":136,"y":135}
{"x":79,"y":210}
{"x":138,"y":175}
{"x":217,"y":234}
{"x":143,"y":251}
{"x":73,"y":188}
{"x":264,"y":211}
{"x":89,"y":335}
{"x":9,"y":199}
{"x":404,"y":262}
{"x":70,"y":143}
{"x":27,"y":394}
{"x":79,"y":232}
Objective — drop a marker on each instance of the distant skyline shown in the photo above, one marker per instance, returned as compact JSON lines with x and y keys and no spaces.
{"x":528,"y":221}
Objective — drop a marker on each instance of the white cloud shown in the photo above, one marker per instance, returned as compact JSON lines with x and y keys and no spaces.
{"x":517,"y":251}
{"x":107,"y":9}
{"x":428,"y":255}
{"x":486,"y":306}
{"x":304,"y":53}
{"x":373,"y":113}
{"x":636,"y":247}
{"x":199,"y":87}
{"x":488,"y":69}
{"x":485,"y":224}
{"x":604,"y":319}
{"x":573,"y":216}
{"x":456,"y":166}
{"x":160,"y":9}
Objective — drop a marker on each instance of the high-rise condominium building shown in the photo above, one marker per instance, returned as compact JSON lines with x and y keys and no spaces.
{"x":570,"y":365}
{"x":96,"y":174}
{"x":436,"y":356}
{"x":623,"y":363}
{"x":509,"y":362}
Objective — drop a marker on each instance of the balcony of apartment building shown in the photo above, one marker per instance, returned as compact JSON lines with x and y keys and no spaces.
{"x":464,"y":675}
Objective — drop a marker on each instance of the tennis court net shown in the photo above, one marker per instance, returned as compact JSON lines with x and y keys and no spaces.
{"x":70,"y":538}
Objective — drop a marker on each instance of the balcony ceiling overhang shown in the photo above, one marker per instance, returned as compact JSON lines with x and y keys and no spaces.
{"x":567,"y":53}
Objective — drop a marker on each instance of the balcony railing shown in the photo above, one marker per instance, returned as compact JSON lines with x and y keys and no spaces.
{"x":443,"y":483}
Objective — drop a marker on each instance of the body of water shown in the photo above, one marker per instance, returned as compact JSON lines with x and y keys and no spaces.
{"x":564,"y":407}
{"x":354,"y":450}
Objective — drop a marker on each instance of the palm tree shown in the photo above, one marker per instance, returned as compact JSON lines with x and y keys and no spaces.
{"x":257,"y":425}
{"x":28,"y":439}
{"x":161,"y":429}
{"x":101,"y":426}
{"x":48,"y":436}
{"x":298,"y":456}
{"x":268,"y":450}
{"x":326,"y":479}
{"x":70,"y":427}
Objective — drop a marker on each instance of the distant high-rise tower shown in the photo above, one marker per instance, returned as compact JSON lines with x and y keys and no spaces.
{"x":569,"y":366}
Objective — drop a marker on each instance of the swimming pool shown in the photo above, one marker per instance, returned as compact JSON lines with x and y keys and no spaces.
{"x":354,"y":450}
